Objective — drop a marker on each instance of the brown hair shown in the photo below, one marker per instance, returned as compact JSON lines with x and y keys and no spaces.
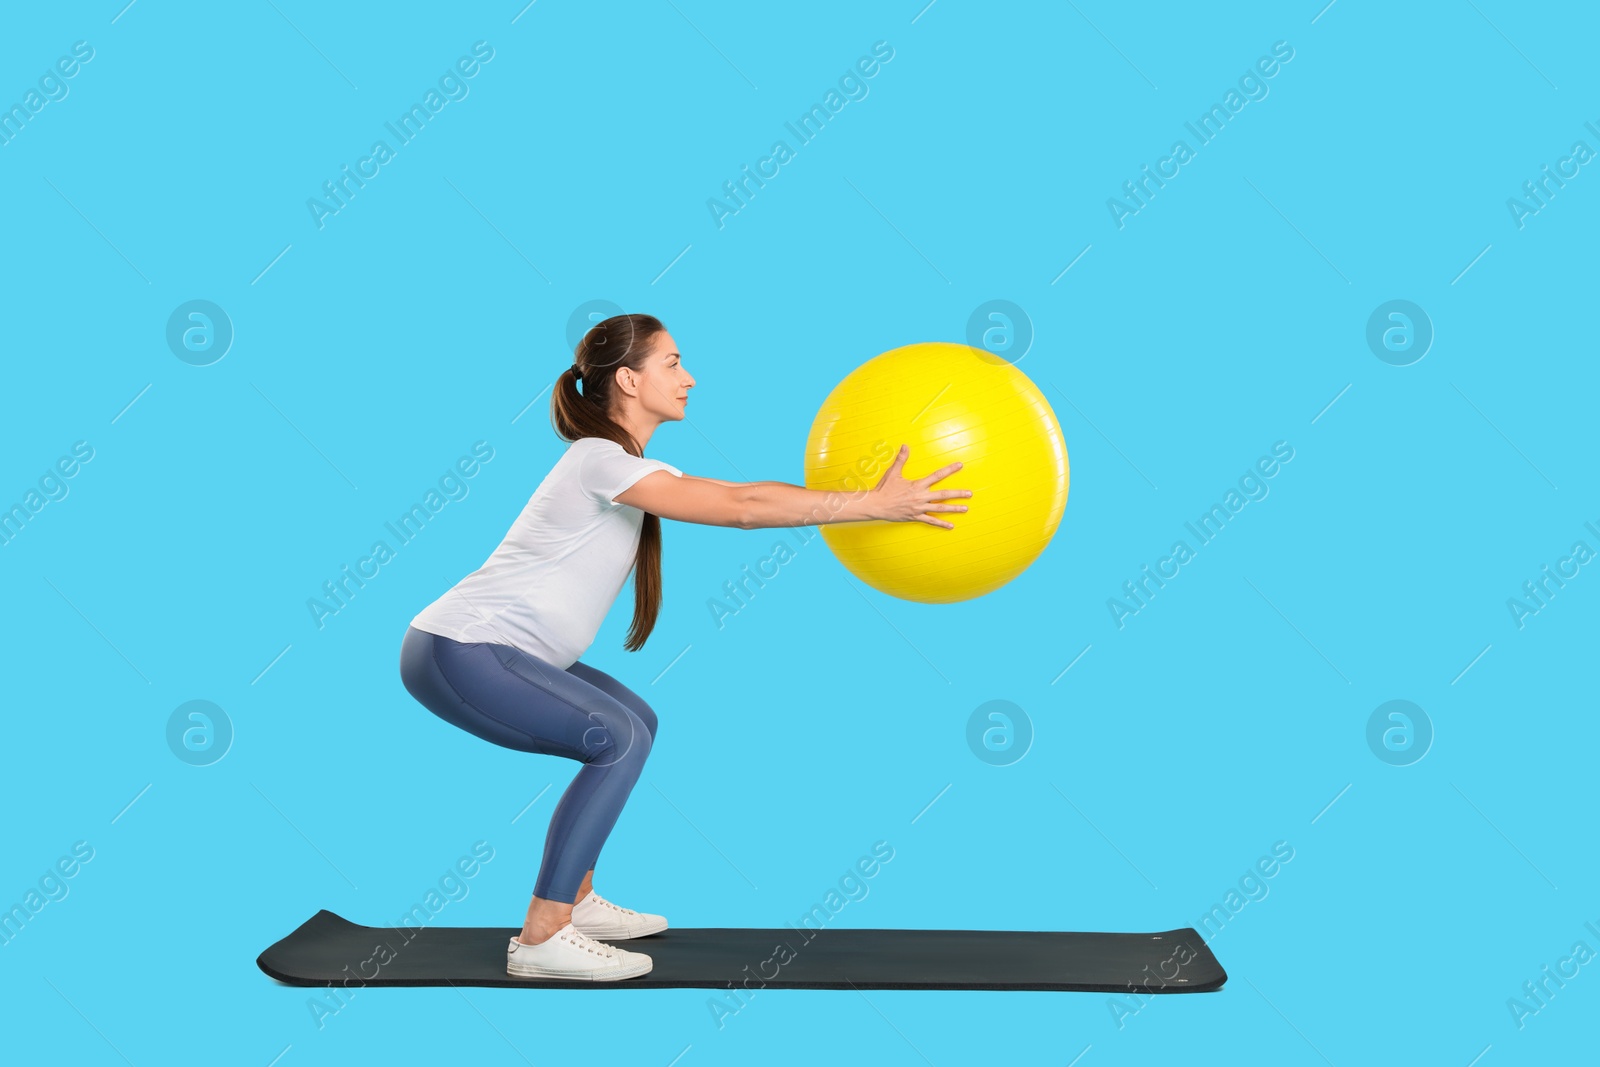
{"x":620,"y":341}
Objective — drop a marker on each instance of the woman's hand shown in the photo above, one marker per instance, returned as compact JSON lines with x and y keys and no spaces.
{"x":898,"y":500}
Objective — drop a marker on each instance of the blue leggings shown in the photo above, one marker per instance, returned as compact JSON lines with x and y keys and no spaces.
{"x":519,"y":701}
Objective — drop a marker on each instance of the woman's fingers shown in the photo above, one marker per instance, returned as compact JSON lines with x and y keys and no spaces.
{"x":899,"y":461}
{"x":893,"y":470}
{"x":940,"y":474}
{"x":892,"y":477}
{"x":941,"y":523}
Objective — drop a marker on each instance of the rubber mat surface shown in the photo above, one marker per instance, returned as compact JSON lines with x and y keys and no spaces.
{"x":330,"y":950}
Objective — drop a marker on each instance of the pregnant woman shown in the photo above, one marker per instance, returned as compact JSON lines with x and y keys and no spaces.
{"x":497,"y":654}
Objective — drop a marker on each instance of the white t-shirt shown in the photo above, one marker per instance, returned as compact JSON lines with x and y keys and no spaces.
{"x":547,"y":587}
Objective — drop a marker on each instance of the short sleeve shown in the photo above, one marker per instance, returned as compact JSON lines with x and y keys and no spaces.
{"x":607,"y":469}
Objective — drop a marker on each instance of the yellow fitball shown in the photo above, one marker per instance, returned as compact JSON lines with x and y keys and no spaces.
{"x":948,"y":403}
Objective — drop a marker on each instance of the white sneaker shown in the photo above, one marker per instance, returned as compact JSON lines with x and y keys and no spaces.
{"x":570,"y":954}
{"x":598,"y":917}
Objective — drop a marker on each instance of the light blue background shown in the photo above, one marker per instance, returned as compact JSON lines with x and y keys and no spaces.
{"x":431,"y":313}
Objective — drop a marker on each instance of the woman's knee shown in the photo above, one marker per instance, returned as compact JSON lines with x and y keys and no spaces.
{"x":616,"y":736}
{"x":618,"y":692}
{"x":647,"y":717}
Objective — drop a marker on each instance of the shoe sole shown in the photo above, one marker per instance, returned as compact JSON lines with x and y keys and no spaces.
{"x":611,"y":974}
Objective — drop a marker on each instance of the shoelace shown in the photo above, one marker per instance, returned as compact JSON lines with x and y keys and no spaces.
{"x":588,"y":944}
{"x":603,"y":901}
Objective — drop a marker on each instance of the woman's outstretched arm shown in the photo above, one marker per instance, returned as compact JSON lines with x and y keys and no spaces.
{"x":760,"y":505}
{"x":719,"y":481}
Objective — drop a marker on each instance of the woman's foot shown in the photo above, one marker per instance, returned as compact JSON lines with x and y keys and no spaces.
{"x":596,"y":916}
{"x":569,"y":954}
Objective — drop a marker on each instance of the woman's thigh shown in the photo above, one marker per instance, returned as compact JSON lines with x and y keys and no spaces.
{"x":517,"y":701}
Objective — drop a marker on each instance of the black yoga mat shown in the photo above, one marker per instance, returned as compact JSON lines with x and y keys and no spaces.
{"x":328,"y":950}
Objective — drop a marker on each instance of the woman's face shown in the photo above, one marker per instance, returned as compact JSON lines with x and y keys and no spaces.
{"x":664,"y":384}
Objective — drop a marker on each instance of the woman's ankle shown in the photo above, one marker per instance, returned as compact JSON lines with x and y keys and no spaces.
{"x":533,"y":935}
{"x":543,"y":922}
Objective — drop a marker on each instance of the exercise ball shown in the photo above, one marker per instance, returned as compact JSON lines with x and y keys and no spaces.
{"x":948,"y":403}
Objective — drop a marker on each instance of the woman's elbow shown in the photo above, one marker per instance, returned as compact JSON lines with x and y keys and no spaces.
{"x":712,"y":503}
{"x":745,"y":514}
